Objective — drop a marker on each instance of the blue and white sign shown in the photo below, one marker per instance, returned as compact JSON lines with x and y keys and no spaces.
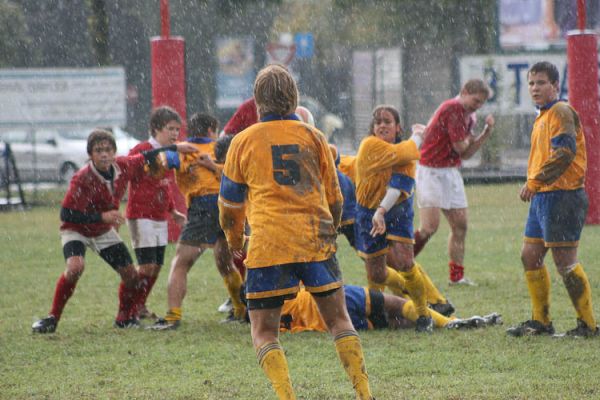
{"x":235,"y":72}
{"x":305,"y":45}
{"x":507,"y":77}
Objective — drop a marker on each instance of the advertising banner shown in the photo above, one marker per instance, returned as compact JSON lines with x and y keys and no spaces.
{"x":235,"y":72}
{"x":52,"y":97}
{"x":541,"y":24}
{"x":507,"y":76}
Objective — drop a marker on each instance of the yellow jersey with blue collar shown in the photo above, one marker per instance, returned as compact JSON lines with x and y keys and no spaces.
{"x":284,"y":171}
{"x":379,"y":164}
{"x":347,"y":164}
{"x":557,"y":159}
{"x":194,"y":180}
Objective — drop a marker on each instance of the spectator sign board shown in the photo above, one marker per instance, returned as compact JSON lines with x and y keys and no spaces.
{"x":507,"y":77}
{"x":53,"y":97}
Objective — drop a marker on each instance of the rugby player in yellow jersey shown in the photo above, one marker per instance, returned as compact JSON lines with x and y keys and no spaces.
{"x":381,"y":162}
{"x":280,"y":173}
{"x":555,"y":179}
{"x":347,"y":227}
{"x":199,"y":179}
{"x":347,"y":165}
{"x":370,"y":309}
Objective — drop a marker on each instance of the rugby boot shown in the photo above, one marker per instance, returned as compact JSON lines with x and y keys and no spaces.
{"x":164,"y":325}
{"x":45,"y":325}
{"x":582,"y":330}
{"x":530,"y":328}
{"x":446,"y":309}
{"x":424,"y":324}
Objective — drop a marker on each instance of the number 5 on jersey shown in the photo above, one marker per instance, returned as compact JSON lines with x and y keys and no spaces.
{"x":286,"y":171}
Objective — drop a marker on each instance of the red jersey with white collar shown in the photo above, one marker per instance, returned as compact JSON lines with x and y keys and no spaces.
{"x":149,"y":195}
{"x":89,"y":192}
{"x":450,"y":123}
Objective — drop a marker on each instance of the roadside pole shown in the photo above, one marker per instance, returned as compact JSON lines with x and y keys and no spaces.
{"x":582,"y":58}
{"x":168,"y":89}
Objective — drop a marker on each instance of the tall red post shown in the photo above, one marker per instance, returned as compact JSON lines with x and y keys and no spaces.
{"x":167,"y":55}
{"x":582,"y":57}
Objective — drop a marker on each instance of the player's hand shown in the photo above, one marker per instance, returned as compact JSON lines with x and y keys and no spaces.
{"x":418,"y":130}
{"x":378,"y":221}
{"x":186,"y":148}
{"x":179,"y":218}
{"x":238,"y":253}
{"x":525,"y":194}
{"x":205,"y":161}
{"x":490,"y":121}
{"x":113,"y":217}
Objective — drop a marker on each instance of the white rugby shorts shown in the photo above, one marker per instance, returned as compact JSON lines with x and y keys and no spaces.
{"x":440,"y":188}
{"x":148,"y":233}
{"x":97,"y":243}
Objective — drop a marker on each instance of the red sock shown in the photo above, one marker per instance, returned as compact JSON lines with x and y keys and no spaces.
{"x":239,"y":264}
{"x":127,"y":298}
{"x":64,"y":290}
{"x":457,"y":272}
{"x":146,"y":284}
{"x":420,"y":242}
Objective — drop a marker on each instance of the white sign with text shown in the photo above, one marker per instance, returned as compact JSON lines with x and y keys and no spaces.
{"x":507,"y":76}
{"x":62,"y":97}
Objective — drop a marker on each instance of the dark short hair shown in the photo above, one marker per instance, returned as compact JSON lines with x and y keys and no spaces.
{"x":378,"y":110}
{"x":200,"y":123}
{"x":160,"y":117}
{"x":476,"y":86}
{"x":546,"y":67}
{"x":222,"y":147}
{"x":98,"y":136}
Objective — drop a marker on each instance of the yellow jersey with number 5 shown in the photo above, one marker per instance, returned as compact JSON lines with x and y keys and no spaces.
{"x":284,"y":171}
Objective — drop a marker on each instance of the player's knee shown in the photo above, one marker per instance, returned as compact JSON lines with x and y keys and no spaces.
{"x":129,"y":275}
{"x":183,"y":261}
{"x":376,"y":275}
{"x":401,"y":257}
{"x":405,"y":264}
{"x":75,"y":267}
{"x":459,"y":228}
{"x":223,"y":260}
{"x":427,"y":231}
{"x":149,"y":269}
{"x":531,"y":261}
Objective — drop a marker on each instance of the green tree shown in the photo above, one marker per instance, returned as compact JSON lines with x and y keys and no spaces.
{"x":98,"y":27}
{"x":14,"y":37}
{"x":59,"y":33}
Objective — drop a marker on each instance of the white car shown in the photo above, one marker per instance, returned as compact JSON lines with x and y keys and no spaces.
{"x":55,"y":154}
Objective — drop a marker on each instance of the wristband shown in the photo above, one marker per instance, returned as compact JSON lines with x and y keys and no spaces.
{"x":417,"y":139}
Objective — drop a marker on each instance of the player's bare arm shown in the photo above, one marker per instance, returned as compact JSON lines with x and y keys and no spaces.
{"x":186,"y":148}
{"x":179,"y":218}
{"x":468,"y":147}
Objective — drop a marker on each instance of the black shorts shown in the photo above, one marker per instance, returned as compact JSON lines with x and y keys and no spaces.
{"x":377,"y":316}
{"x":203,"y":222}
{"x":150,"y":255}
{"x":117,"y":255}
{"x":348,"y":231}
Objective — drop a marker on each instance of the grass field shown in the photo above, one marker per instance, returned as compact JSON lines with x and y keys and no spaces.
{"x":88,"y":359}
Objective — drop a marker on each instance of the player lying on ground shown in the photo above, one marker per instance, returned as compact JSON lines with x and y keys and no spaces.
{"x":371,"y":309}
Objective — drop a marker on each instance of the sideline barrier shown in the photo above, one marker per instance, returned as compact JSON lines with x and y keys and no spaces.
{"x":9,"y":175}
